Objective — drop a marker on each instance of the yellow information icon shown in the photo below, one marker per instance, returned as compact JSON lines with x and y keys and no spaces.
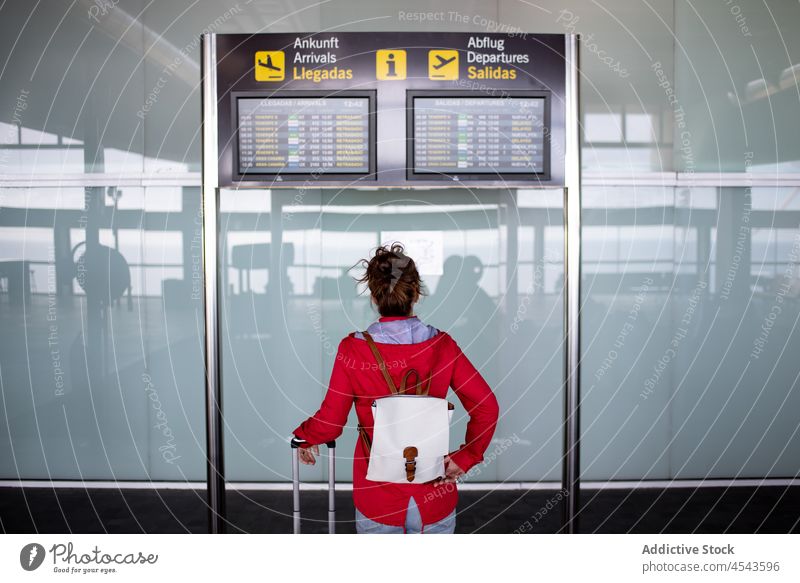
{"x":270,"y":66}
{"x":390,"y":65}
{"x":442,"y":65}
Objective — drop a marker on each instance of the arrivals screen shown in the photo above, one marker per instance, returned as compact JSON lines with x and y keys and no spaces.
{"x":457,"y":135}
{"x":303,"y":135}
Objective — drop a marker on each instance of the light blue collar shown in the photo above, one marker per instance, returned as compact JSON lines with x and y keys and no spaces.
{"x":404,"y":331}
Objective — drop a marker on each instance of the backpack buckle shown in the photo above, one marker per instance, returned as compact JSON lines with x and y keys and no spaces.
{"x":410,"y":454}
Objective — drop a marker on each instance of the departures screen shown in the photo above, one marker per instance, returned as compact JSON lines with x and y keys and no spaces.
{"x":304,"y":135}
{"x":479,"y":135}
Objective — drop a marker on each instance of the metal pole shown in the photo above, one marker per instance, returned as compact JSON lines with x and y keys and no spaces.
{"x":570,"y":481}
{"x":214,"y":447}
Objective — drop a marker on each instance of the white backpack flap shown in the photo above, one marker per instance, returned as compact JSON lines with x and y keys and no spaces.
{"x":411,"y":436}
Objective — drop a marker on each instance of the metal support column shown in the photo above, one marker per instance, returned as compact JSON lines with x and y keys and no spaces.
{"x":570,"y":481}
{"x":210,"y":194}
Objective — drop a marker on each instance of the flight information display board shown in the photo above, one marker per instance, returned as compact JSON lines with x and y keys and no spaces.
{"x":465,"y":135}
{"x":387,"y":110}
{"x":309,"y":135}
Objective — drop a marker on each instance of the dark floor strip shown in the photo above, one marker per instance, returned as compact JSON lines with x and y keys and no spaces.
{"x":771,"y":509}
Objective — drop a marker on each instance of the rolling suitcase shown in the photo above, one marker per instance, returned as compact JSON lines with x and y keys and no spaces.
{"x":296,"y":486}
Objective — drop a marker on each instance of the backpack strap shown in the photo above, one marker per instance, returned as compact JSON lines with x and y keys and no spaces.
{"x":427,"y":389}
{"x":408,"y":373}
{"x":365,"y":438}
{"x":381,"y":363}
{"x":420,"y":390}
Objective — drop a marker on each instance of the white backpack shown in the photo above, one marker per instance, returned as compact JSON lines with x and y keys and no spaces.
{"x":411,"y":432}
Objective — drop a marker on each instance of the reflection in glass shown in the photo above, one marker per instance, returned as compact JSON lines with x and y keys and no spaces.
{"x":499,"y":295}
{"x":101,"y":359}
{"x":689,"y":309}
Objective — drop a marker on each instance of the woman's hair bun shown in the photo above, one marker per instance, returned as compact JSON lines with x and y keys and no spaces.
{"x":392,"y":279}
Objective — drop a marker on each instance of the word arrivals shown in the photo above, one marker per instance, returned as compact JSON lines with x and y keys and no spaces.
{"x":314,"y":58}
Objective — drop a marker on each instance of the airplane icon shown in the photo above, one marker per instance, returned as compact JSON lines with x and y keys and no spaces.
{"x":443,"y":61}
{"x":269,"y":65}
{"x":442,"y":65}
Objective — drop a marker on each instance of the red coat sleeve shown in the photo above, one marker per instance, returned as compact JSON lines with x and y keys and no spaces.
{"x":328,"y":422}
{"x":481,"y":405}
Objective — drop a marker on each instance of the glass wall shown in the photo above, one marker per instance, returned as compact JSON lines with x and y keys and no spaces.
{"x":492,"y":264}
{"x":101,"y":361}
{"x":692,"y":300}
{"x":690,"y":291}
{"x":101,"y":353}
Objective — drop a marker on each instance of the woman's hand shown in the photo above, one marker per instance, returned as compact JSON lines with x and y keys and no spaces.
{"x":451,"y":472}
{"x":307,"y":454}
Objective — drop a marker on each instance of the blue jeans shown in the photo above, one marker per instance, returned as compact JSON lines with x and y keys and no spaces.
{"x":446,"y":525}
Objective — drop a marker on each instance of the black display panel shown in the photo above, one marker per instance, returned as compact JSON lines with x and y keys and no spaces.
{"x":299,"y":134}
{"x":472,"y":136}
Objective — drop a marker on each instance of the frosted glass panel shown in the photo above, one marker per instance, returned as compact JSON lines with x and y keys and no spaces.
{"x":101,"y":358}
{"x":691,"y":298}
{"x":494,"y":275}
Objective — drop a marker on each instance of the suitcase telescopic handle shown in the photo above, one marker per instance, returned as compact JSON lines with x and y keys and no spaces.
{"x":296,"y":444}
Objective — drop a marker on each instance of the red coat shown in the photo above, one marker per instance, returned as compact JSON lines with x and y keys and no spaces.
{"x":356,"y":378}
